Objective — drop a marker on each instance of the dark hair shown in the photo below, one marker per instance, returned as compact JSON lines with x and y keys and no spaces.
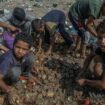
{"x":24,"y":37}
{"x":19,"y":13}
{"x":37,"y":23}
{"x":101,"y":27}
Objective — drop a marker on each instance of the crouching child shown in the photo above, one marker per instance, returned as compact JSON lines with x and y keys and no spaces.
{"x":16,"y":62}
{"x":97,"y":64}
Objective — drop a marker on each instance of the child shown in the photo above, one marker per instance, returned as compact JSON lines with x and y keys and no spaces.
{"x":96,"y":63}
{"x":16,"y":62}
{"x":53,"y":21}
{"x":38,"y":32}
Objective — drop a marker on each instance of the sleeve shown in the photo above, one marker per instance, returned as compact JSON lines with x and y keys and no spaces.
{"x":4,"y":66}
{"x":62,"y":18}
{"x":27,"y":28}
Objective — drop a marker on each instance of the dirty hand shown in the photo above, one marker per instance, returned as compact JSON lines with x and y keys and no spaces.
{"x":81,"y":82}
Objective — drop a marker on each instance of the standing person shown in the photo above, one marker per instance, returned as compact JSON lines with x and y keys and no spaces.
{"x":16,"y":62}
{"x":17,"y":20}
{"x":48,"y":25}
{"x":85,"y":11}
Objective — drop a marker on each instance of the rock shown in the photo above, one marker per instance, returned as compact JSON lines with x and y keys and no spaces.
{"x":50,"y":94}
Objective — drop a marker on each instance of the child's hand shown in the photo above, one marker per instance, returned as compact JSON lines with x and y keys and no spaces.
{"x":31,"y":82}
{"x":48,"y":53}
{"x":32,"y":49}
{"x":12,"y":28}
{"x":81,"y":82}
{"x":8,"y":89}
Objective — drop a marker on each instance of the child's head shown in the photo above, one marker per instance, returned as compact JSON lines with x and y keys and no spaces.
{"x":38,"y":25}
{"x":22,"y":44}
{"x":18,"y":16}
{"x":101,"y":35}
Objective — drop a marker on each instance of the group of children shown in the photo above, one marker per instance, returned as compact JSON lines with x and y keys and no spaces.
{"x":20,"y":31}
{"x":83,"y":15}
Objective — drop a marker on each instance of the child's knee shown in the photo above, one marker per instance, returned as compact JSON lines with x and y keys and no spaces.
{"x":13,"y":75}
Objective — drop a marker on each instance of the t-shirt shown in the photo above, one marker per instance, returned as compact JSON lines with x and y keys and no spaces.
{"x":55,"y":16}
{"x":8,"y":39}
{"x":85,"y":8}
{"x":7,"y":61}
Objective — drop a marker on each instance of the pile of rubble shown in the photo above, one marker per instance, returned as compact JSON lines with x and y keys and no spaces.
{"x":54,"y":85}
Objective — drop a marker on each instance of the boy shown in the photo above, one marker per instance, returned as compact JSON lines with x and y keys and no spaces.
{"x":52,"y":21}
{"x":16,"y":62}
{"x":17,"y":20}
{"x":96,"y":63}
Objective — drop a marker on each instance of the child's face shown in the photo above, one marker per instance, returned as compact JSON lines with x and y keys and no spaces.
{"x":101,"y":41}
{"x":21,"y":48}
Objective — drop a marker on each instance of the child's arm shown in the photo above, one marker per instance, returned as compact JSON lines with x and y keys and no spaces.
{"x":99,"y":72}
{"x":5,"y":25}
{"x":88,"y":61}
{"x":90,"y":26}
{"x":96,"y":83}
{"x":3,"y":85}
{"x":2,"y":47}
{"x":40,"y":44}
{"x":52,"y":40}
{"x":51,"y":45}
